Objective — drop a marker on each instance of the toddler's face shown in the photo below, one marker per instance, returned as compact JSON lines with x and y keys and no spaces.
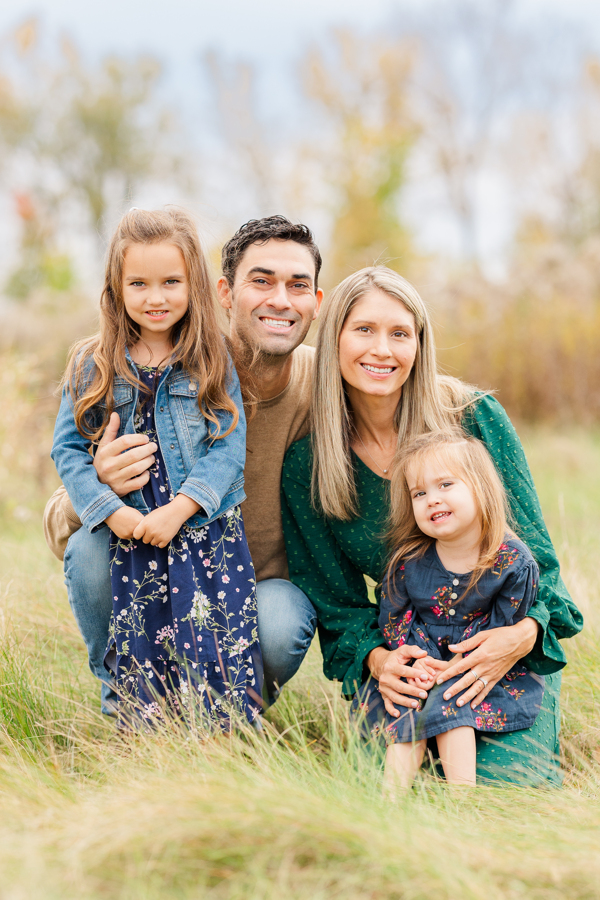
{"x":443,"y":503}
{"x":155,"y":288}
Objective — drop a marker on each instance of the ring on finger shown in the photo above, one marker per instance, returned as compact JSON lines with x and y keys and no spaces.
{"x":473,"y":672}
{"x":482,"y":680}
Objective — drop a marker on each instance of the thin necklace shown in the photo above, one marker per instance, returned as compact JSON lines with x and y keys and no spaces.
{"x":385,"y":471}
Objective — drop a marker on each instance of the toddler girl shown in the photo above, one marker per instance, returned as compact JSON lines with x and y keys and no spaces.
{"x":457,"y":569}
{"x":184,"y":594}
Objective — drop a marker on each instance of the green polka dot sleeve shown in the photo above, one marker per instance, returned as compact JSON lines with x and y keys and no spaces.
{"x":327,"y":561}
{"x":554,"y":609}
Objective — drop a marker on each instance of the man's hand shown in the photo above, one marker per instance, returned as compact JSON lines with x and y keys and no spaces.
{"x":161,"y":525}
{"x":389,"y":667}
{"x":124,"y":521}
{"x":492,"y":654}
{"x":123,"y":463}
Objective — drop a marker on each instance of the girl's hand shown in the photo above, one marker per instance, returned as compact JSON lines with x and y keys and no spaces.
{"x":389,"y":667}
{"x":124,"y":521}
{"x":431,"y":667}
{"x":161,"y":525}
{"x":494,"y":654}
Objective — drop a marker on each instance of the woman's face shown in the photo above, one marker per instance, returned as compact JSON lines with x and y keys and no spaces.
{"x":378,"y":345}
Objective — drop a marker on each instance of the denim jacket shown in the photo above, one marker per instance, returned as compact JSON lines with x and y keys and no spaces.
{"x":211,"y":473}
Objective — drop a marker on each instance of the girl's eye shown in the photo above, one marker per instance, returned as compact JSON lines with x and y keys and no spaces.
{"x":172,"y":281}
{"x":446,"y":484}
{"x":418,"y":494}
{"x":363,"y":328}
{"x":137,"y":284}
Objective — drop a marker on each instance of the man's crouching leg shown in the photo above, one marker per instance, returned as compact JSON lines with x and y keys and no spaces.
{"x":87,"y":576}
{"x":286,"y":625}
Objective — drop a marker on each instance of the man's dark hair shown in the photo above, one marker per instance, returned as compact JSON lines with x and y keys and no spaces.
{"x":259,"y":231}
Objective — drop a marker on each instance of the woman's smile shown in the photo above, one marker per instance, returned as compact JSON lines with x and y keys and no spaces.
{"x":377,"y":345}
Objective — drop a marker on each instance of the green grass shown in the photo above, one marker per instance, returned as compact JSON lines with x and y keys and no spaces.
{"x":296,"y":813}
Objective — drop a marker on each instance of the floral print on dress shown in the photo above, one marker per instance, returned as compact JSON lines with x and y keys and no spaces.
{"x":184,"y":621}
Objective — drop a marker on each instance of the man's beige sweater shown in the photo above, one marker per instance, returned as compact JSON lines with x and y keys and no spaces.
{"x":276,"y":424}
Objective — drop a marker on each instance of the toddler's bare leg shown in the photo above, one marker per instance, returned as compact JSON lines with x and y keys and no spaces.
{"x":457,"y":755}
{"x":402,"y":762}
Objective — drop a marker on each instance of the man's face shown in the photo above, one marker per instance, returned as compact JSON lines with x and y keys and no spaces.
{"x":273,"y":299}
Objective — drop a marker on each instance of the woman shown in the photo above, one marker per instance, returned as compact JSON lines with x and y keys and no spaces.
{"x":376,"y":386}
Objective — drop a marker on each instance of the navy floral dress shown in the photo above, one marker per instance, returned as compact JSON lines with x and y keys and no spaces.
{"x":427,"y":609}
{"x":184,"y":617}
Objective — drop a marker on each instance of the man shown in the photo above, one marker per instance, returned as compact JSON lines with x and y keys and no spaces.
{"x":269,"y":288}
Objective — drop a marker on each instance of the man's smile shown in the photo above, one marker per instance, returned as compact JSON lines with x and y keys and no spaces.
{"x":276,"y":323}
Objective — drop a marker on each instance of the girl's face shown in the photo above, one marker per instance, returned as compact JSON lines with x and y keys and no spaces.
{"x":378,"y":345}
{"x":155,"y":288}
{"x":443,"y":503}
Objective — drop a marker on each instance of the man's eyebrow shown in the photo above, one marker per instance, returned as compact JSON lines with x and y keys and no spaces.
{"x":256,"y":269}
{"x":302,"y":277}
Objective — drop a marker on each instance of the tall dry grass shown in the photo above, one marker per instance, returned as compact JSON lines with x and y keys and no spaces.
{"x":297,"y":812}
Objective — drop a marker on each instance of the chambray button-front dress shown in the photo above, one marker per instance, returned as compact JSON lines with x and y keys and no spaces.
{"x":184,"y":617}
{"x":420,"y":607}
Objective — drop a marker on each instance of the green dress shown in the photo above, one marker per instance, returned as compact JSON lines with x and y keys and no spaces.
{"x":328,"y":560}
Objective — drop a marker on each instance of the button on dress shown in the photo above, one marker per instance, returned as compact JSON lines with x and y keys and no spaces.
{"x":425,"y":605}
{"x":184,"y":617}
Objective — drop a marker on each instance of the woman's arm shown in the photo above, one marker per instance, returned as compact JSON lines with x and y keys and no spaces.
{"x":554,"y":611}
{"x":553,"y":615}
{"x":348,"y":626}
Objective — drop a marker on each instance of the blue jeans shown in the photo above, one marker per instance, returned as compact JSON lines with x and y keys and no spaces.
{"x":286,"y":618}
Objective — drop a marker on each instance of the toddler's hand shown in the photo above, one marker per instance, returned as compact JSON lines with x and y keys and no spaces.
{"x":124,"y":521}
{"x":431,"y":667}
{"x":161,"y":525}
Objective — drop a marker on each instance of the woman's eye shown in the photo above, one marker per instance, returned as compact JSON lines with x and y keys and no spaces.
{"x":363,"y":328}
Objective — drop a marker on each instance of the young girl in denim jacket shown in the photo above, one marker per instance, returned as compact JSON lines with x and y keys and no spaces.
{"x":184,"y":597}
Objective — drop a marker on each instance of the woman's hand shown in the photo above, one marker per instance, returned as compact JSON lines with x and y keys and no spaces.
{"x":494,"y":653}
{"x":389,"y":667}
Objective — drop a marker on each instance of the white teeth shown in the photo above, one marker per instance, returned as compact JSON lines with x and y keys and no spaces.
{"x":379,"y":370}
{"x":156,"y":312}
{"x":278,"y":323}
{"x":439,"y":515}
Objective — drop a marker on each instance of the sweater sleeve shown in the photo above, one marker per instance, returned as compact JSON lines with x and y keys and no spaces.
{"x":553,"y":608}
{"x":348,"y":626}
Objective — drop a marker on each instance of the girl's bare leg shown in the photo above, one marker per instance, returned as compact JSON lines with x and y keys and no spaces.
{"x":457,"y":755}
{"x":402,"y":762}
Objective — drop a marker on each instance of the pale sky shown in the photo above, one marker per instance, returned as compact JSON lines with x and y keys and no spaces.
{"x":271,"y":33}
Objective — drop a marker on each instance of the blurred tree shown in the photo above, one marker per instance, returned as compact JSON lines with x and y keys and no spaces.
{"x":480,"y":64}
{"x":361,"y":87}
{"x":246,"y":135}
{"x":76,"y":139}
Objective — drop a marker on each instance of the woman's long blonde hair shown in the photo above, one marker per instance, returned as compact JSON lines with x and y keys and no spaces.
{"x":466,"y":458}
{"x":199,"y":346}
{"x":429,"y":401}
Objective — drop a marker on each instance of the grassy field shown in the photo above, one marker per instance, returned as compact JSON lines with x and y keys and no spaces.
{"x":298,"y":813}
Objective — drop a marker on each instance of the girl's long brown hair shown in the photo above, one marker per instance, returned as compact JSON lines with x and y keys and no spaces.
{"x":199,"y":346}
{"x":467,"y":458}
